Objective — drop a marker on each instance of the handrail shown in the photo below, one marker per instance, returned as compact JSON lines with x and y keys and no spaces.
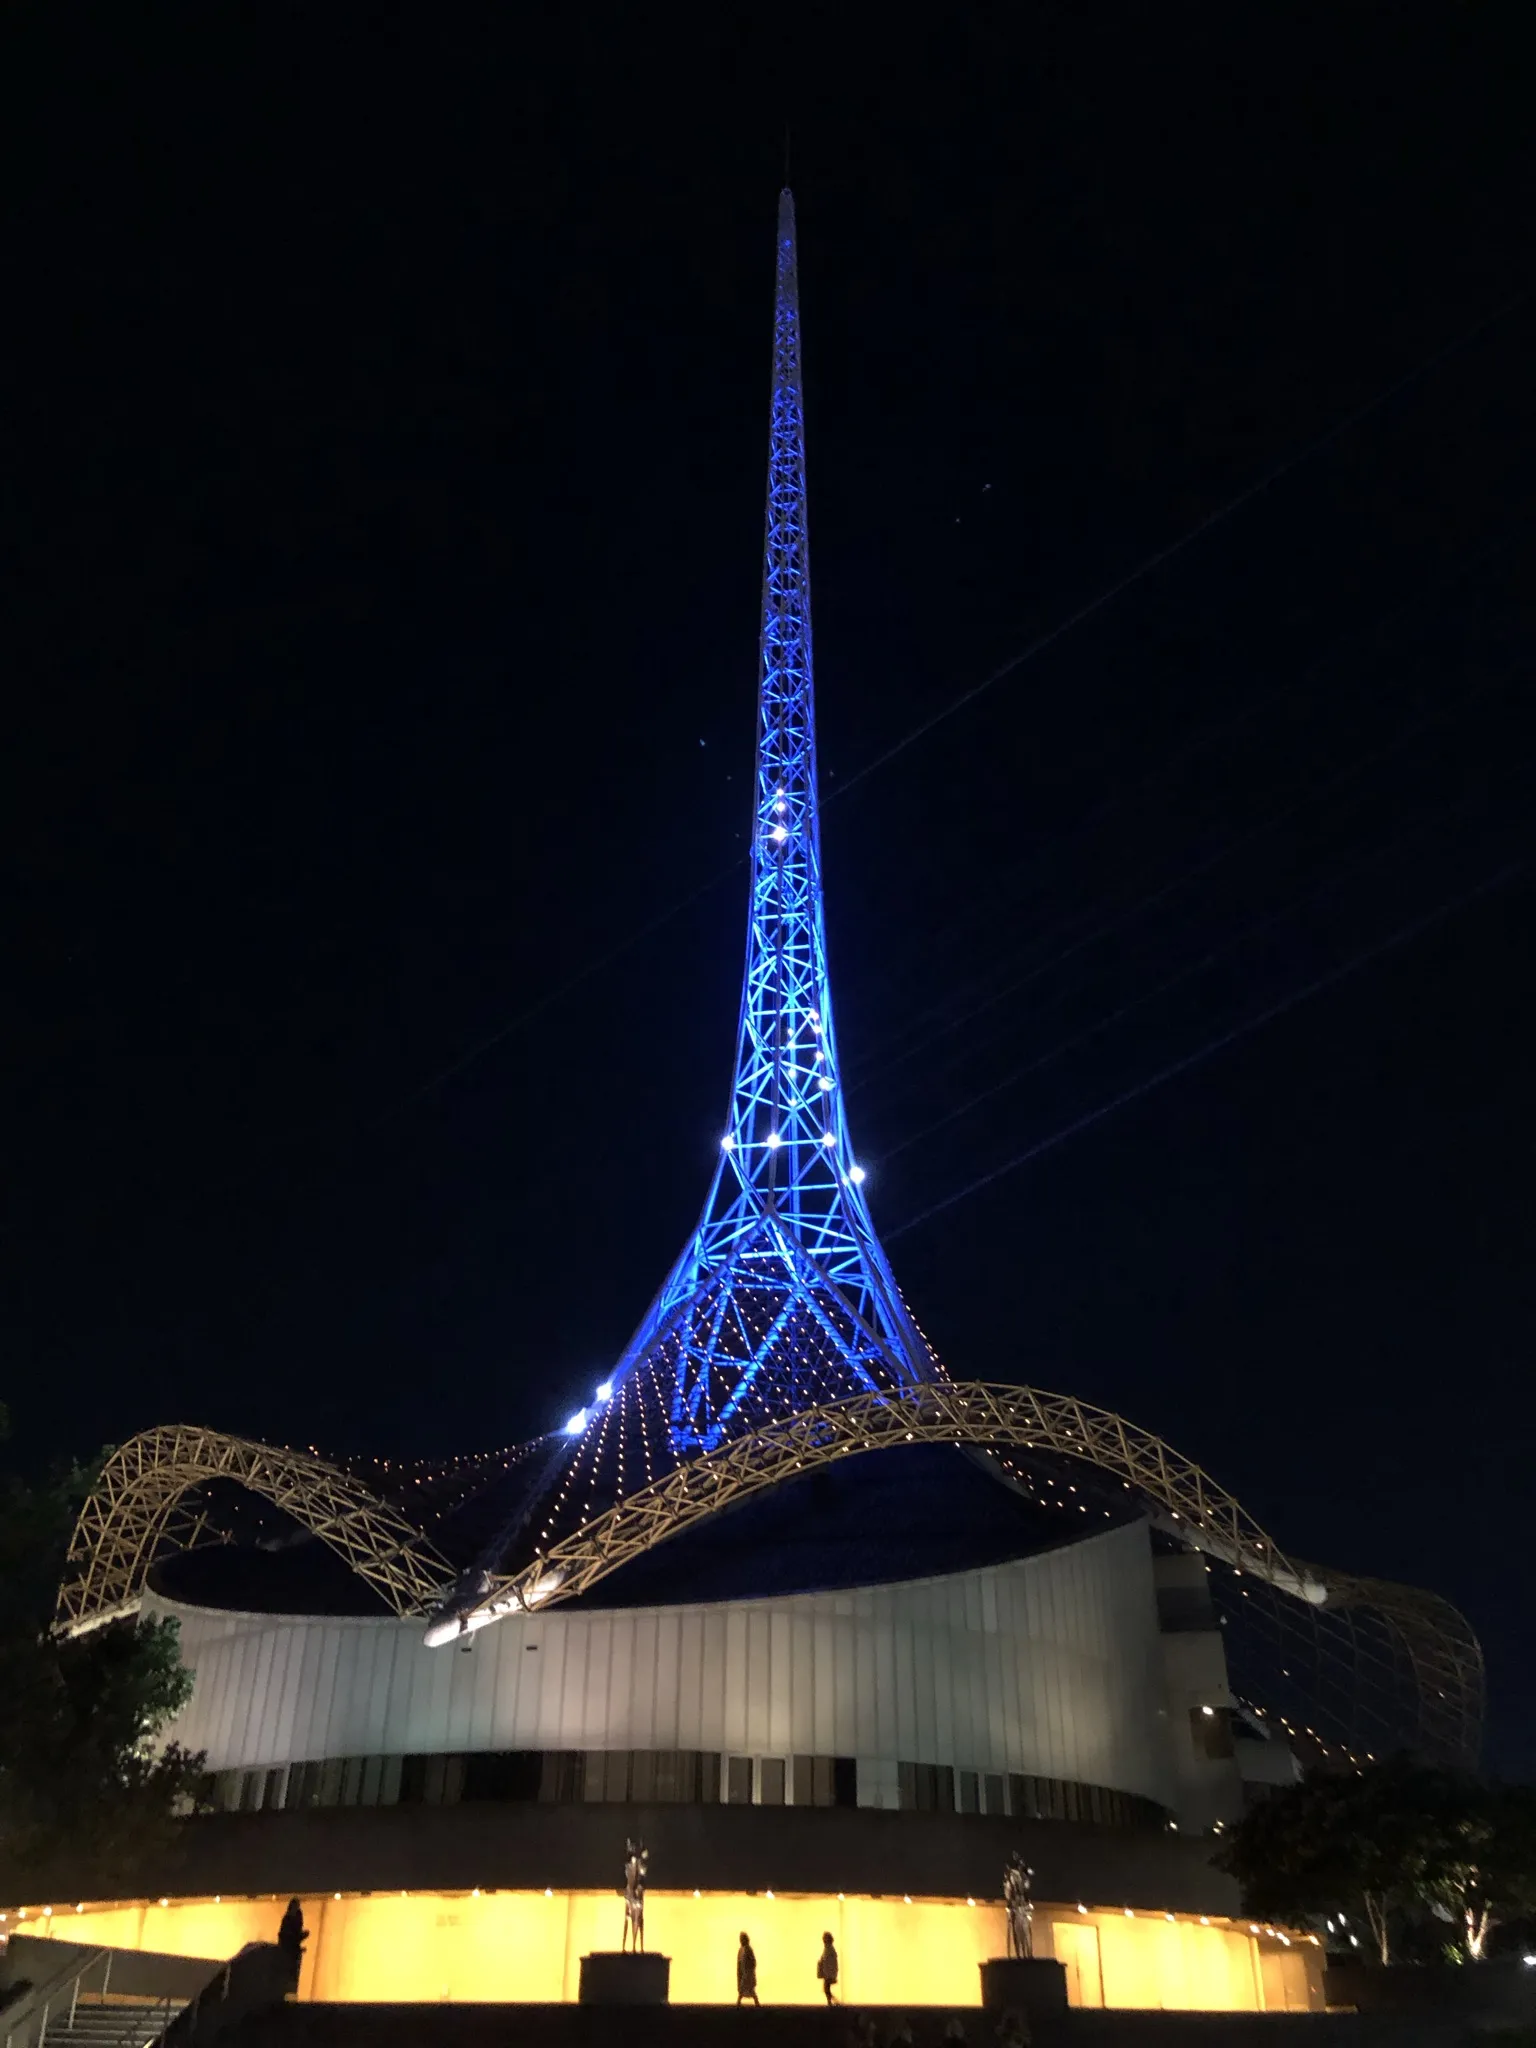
{"x":49,"y":1994}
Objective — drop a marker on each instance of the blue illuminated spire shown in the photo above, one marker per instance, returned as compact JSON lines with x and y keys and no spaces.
{"x":783,"y":1297}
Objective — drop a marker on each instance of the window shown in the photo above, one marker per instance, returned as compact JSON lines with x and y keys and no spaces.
{"x":992,"y":1793}
{"x":927,"y":1788}
{"x":444,"y":1780}
{"x":1211,"y":1732}
{"x":771,"y":1781}
{"x":560,"y":1776}
{"x":503,"y":1774}
{"x":606,"y":1776}
{"x":738,"y":1781}
{"x":970,"y":1792}
{"x":677,"y":1774}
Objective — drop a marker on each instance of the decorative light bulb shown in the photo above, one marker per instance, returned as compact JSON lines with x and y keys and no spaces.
{"x":774,"y":1141}
{"x":856,"y":1175}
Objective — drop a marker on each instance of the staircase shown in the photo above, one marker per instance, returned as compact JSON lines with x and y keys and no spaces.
{"x":111,"y":2023}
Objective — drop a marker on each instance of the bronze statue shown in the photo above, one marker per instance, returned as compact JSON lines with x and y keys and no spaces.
{"x":636,"y":1857}
{"x":1020,"y":1907}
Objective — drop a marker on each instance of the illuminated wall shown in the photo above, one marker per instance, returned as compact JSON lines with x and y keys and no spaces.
{"x":527,"y":1946}
{"x":1049,"y":1666}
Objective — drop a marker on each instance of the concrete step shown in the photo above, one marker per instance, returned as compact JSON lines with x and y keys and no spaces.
{"x":113,"y":2023}
{"x":680,"y":2026}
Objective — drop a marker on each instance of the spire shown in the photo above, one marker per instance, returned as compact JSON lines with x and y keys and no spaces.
{"x":782,"y":1298}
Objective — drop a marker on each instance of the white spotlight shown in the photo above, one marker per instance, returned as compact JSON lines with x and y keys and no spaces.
{"x":856,"y":1174}
{"x":604,"y":1392}
{"x":774,"y":1141}
{"x":577,"y":1423}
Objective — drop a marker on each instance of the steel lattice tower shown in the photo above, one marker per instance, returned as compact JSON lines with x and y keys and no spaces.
{"x":783,"y":1296}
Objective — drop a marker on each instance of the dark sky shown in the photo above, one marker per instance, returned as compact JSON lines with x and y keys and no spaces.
{"x":384,"y":415}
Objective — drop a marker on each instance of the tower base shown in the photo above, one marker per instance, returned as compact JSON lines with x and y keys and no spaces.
{"x":1032,"y":1985}
{"x":624,"y":1979}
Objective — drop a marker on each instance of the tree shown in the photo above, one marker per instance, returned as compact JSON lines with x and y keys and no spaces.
{"x":1383,"y":1839}
{"x":1482,"y":1872}
{"x":80,"y":1767}
{"x":1362,"y":1841}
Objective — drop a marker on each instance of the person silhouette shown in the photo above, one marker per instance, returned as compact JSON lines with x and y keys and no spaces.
{"x":746,"y":1972}
{"x":291,"y":1937}
{"x":826,"y":1966}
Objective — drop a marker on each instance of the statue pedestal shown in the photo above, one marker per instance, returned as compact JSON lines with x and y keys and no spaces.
{"x":1033,"y":1985}
{"x":610,"y":1979}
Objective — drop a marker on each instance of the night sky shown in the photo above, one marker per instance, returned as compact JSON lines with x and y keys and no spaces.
{"x":384,"y":420}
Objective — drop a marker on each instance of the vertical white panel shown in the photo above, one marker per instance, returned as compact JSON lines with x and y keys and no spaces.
{"x":305,"y":1665}
{"x":665,"y":1721}
{"x":777,"y":1715}
{"x":802,"y":1665}
{"x":332,"y":1635}
{"x":861,"y":1737}
{"x":618,"y":1716}
{"x":824,"y":1680}
{"x":646,"y":1680}
{"x":903,"y":1695}
{"x":587,"y":1712}
{"x":700,"y":1716}
{"x":291,"y":1661}
{"x":560,"y":1647}
{"x":375,"y":1668}
{"x":252,"y":1743}
{"x":734,"y":1675}
{"x":461,"y":1693}
{"x":755,"y":1728}
{"x":484,"y":1661}
{"x":396,"y":1687}
{"x":516,"y":1670}
{"x":231,"y":1666}
{"x":844,"y":1678}
{"x":941,"y":1661}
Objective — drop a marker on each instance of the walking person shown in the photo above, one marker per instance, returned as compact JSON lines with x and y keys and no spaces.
{"x":746,"y":1972}
{"x":291,"y":1937}
{"x":826,"y":1966}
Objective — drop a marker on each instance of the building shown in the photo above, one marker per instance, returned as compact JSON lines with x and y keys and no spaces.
{"x":833,"y":1631}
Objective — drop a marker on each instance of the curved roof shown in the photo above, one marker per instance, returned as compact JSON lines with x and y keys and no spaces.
{"x":736,"y":1521}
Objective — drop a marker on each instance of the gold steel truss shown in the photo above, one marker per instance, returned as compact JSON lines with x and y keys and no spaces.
{"x":1441,"y":1648}
{"x":127,"y":1521}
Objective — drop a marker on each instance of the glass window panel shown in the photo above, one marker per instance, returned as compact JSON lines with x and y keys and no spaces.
{"x":738,"y":1781}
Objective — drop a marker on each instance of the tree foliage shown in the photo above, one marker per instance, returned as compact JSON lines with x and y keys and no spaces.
{"x":1380,"y":1842}
{"x":80,"y":1768}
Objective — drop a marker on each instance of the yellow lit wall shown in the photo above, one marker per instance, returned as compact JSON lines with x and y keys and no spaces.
{"x":527,"y":1946}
